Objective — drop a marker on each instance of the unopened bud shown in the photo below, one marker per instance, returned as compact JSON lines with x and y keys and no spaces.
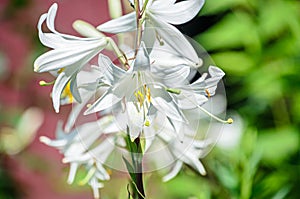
{"x":86,"y":29}
{"x":115,"y":8}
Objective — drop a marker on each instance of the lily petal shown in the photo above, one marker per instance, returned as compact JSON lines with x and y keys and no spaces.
{"x":107,"y":100}
{"x":164,"y":103}
{"x":111,"y":72}
{"x":58,"y":87}
{"x":64,"y":57}
{"x":174,"y":38}
{"x":142,"y":61}
{"x":74,"y":89}
{"x":175,"y":170}
{"x":180,"y":12}
{"x":125,"y":23}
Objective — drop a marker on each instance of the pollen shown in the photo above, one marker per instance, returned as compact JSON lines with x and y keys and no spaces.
{"x":148,"y":94}
{"x":44,"y":83}
{"x":60,"y":70}
{"x":147,"y":123}
{"x":67,"y":94}
{"x":230,"y":121}
{"x":207,"y":93}
{"x":140,"y":97}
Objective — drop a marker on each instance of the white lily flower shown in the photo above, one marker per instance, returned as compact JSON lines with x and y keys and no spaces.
{"x":69,"y":55}
{"x":79,"y":150}
{"x":138,"y":88}
{"x":174,"y":151}
{"x":157,"y":15}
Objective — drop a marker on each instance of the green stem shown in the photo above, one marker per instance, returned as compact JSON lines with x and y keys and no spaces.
{"x":135,"y":167}
{"x":139,"y":171}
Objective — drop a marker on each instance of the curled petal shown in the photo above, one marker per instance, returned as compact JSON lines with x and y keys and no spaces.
{"x":179,"y":13}
{"x":125,"y":23}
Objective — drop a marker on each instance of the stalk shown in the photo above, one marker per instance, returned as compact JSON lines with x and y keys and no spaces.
{"x":135,"y":167}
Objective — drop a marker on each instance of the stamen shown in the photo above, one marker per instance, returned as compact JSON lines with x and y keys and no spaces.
{"x":140,"y":97}
{"x":67,"y":93}
{"x":207,"y":93}
{"x":148,"y":94}
{"x":228,"y":121}
{"x":147,"y":123}
{"x":43,"y":83}
{"x":60,"y":70}
{"x":173,"y":90}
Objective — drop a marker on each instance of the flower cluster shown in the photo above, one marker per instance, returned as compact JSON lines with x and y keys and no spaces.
{"x":145,"y":97}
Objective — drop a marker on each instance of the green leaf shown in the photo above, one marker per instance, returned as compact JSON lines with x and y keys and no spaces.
{"x":237,"y":63}
{"x":216,"y":6}
{"x":234,"y":31}
{"x":278,"y":145}
{"x":130,"y":169}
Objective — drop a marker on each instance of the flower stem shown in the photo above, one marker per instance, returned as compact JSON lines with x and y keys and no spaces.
{"x":135,"y":167}
{"x":139,"y":172}
{"x":138,"y":24}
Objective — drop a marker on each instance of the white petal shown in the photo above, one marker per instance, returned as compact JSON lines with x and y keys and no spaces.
{"x":175,"y":170}
{"x":51,"y":19}
{"x":174,"y":38}
{"x":106,"y":101}
{"x":171,"y":76}
{"x":64,"y":57}
{"x":125,"y":23}
{"x":196,"y":163}
{"x":164,"y":103}
{"x":135,"y":120}
{"x":111,"y":72}
{"x":142,"y":61}
{"x":58,"y":87}
{"x":180,"y":12}
{"x":76,"y":111}
{"x":148,"y":36}
{"x":105,"y":175}
{"x":103,"y":150}
{"x":56,"y":39}
{"x":189,"y":99}
{"x":188,"y":156}
{"x":72,"y":172}
{"x":53,"y":143}
{"x":199,"y":86}
{"x":74,"y":89}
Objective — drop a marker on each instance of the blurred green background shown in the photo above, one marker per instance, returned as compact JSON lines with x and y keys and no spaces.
{"x":257,"y":44}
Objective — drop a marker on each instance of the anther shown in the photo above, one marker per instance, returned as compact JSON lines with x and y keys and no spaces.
{"x":43,"y":83}
{"x":173,"y":90}
{"x":207,"y":93}
{"x":230,"y":121}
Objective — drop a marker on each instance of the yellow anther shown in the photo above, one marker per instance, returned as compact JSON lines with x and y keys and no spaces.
{"x":43,"y":83}
{"x":230,"y":121}
{"x":60,"y":70}
{"x":147,"y":123}
{"x":109,"y":171}
{"x":207,"y":93}
{"x":148,"y":94}
{"x":67,"y":93}
{"x":140,"y":97}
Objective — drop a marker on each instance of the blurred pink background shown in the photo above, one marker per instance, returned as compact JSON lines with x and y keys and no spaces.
{"x":37,"y":171}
